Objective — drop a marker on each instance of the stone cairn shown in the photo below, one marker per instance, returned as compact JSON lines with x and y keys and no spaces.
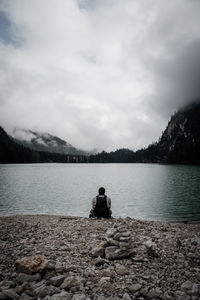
{"x":118,"y":244}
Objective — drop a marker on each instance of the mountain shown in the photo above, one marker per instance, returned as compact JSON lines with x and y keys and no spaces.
{"x":12,"y":152}
{"x":179,"y":143}
{"x":45,"y":142}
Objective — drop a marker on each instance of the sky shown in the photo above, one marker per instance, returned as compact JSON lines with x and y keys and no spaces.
{"x":104,"y":74}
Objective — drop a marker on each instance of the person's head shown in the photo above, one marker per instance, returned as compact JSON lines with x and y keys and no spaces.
{"x":101,"y":191}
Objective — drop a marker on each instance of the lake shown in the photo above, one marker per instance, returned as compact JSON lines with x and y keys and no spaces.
{"x":141,"y":191}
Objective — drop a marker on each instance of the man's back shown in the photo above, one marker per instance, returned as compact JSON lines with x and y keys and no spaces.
{"x":101,"y":208}
{"x":101,"y":205}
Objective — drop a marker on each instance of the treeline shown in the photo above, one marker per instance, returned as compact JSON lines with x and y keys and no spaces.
{"x":179,"y":143}
{"x":12,"y":152}
{"x":181,"y":154}
{"x":147,"y":155}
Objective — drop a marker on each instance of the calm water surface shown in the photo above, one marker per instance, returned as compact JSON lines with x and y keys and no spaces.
{"x":141,"y":191}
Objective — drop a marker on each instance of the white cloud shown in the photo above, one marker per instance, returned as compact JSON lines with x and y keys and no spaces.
{"x":104,"y":74}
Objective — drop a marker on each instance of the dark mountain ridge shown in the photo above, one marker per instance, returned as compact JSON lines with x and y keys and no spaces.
{"x":179,"y":143}
{"x":12,"y":152}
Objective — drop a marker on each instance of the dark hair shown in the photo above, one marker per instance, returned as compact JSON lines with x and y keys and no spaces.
{"x":101,"y":191}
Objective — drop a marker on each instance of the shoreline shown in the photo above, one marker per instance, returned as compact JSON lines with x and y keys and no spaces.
{"x":171,"y":270}
{"x":187,"y":222}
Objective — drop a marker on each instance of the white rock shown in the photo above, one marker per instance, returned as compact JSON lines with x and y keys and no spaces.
{"x":61,"y":296}
{"x":111,"y":232}
{"x":148,"y":244}
{"x":125,"y":233}
{"x":126,"y":297}
{"x":134,"y":287}
{"x":196,"y":289}
{"x":114,"y":252}
{"x":187,"y":285}
{"x":121,"y":270}
{"x":79,"y":297}
{"x":98,"y":251}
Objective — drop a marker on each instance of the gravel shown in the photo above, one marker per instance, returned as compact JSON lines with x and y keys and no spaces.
{"x":163,"y":260}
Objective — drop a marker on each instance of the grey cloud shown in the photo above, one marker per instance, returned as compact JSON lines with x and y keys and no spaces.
{"x":5,"y":28}
{"x":177,"y":80}
{"x":104,"y":74}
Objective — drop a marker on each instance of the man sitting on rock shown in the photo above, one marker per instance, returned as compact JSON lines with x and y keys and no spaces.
{"x":101,"y":205}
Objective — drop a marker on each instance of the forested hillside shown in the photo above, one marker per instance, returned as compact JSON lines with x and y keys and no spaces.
{"x":179,"y":143}
{"x":12,"y":152}
{"x":44,"y":142}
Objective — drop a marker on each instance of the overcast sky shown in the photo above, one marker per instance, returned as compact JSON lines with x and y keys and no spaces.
{"x":100,"y":74}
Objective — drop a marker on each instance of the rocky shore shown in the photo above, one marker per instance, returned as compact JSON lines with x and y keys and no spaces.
{"x":74,"y":258}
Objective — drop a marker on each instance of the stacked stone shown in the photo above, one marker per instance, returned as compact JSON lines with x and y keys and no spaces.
{"x":119,"y":243}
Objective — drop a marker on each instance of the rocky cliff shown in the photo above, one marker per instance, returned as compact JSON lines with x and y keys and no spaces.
{"x":180,"y":141}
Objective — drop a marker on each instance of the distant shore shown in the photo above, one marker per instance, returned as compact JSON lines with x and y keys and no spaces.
{"x":170,"y":271}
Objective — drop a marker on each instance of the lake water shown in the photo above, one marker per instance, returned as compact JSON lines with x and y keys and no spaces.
{"x":141,"y":191}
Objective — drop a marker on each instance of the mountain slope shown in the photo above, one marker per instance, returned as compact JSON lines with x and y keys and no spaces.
{"x":44,"y":142}
{"x":180,"y":141}
{"x":11,"y":152}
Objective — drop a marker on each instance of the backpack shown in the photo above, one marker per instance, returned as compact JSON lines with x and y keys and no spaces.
{"x":101,"y":209}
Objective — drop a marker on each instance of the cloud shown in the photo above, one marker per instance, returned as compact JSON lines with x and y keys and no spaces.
{"x":105,"y":74}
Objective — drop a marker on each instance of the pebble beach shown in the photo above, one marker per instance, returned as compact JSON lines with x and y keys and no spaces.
{"x":57,"y":257}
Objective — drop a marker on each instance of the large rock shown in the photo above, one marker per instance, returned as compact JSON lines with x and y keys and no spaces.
{"x":28,"y":278}
{"x":120,"y":243}
{"x":114,"y":252}
{"x":45,"y":290}
{"x":196,"y":289}
{"x":62,"y":296}
{"x":134,"y":288}
{"x":79,"y":297}
{"x":155,"y":294}
{"x":109,"y":272}
{"x":57,"y":280}
{"x":98,"y":261}
{"x":31,"y":264}
{"x":24,"y":296}
{"x":7,"y":284}
{"x":111,"y":232}
{"x":42,"y":291}
{"x":71,"y":282}
{"x":25,"y":287}
{"x":126,"y":297}
{"x":103,"y":280}
{"x":112,"y":242}
{"x":89,"y":273}
{"x":187,"y":285}
{"x":151,"y":248}
{"x":121,"y":270}
{"x":98,"y":251}
{"x":9,"y":295}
